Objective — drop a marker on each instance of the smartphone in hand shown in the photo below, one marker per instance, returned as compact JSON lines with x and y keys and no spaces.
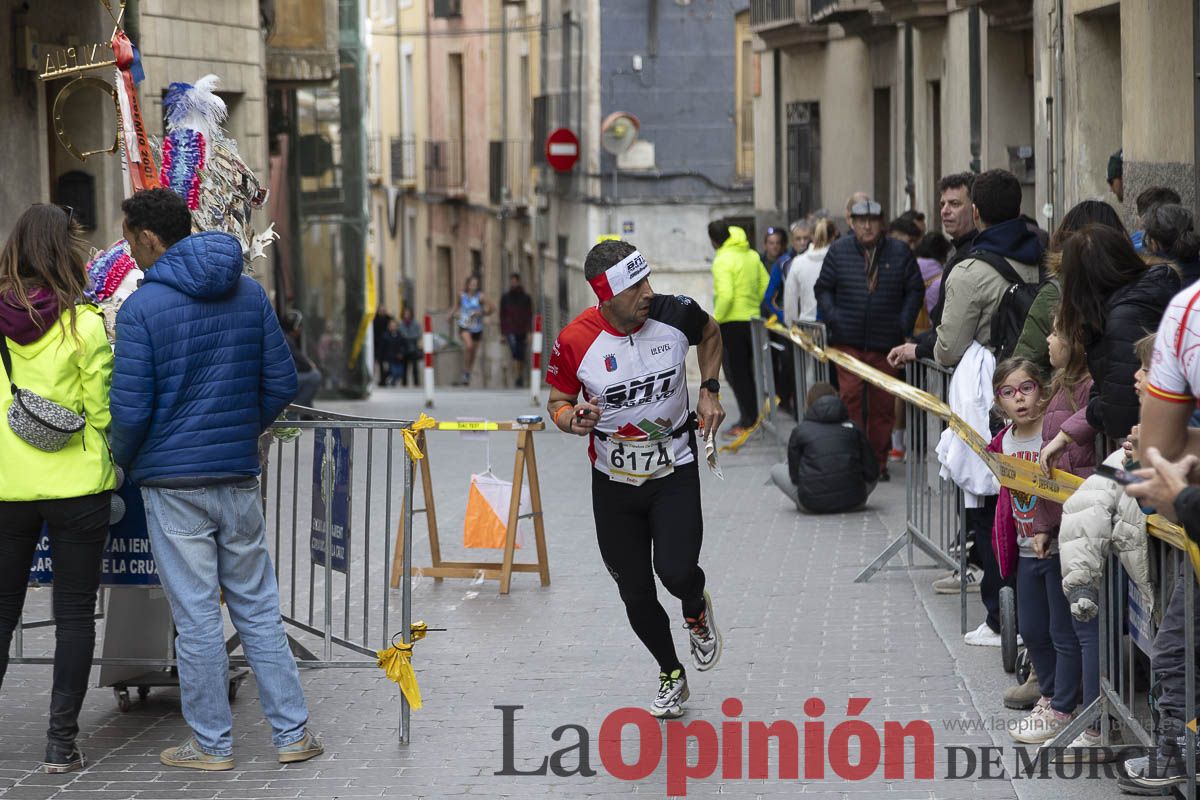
{"x":1121,"y":476}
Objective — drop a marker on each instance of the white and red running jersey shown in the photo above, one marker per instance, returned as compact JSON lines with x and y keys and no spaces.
{"x":638,"y":381}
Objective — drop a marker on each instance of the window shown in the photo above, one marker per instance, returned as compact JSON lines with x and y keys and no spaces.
{"x":803,"y":158}
{"x":446,"y":296}
{"x":883,"y":148}
{"x":744,"y":96}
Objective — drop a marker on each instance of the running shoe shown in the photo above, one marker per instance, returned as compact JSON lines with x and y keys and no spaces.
{"x":950,"y":583}
{"x":703,"y":637}
{"x":1156,"y":773}
{"x":896,"y":454}
{"x":672,"y":694}
{"x":1042,"y":725}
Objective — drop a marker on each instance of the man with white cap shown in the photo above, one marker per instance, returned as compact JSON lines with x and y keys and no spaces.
{"x":627,"y":355}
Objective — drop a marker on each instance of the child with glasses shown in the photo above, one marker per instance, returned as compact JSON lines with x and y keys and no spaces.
{"x":1044,"y":618}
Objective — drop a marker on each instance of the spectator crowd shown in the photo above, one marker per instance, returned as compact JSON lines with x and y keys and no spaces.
{"x":1076,"y":349}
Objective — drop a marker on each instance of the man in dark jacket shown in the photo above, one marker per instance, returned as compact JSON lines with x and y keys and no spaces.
{"x":869,"y":293}
{"x":831,"y":466}
{"x":201,"y":370}
{"x":516,"y":320}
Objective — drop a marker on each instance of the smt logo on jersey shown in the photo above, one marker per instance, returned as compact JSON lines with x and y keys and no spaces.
{"x":650,"y":388}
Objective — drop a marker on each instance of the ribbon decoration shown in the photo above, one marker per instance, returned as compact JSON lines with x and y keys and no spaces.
{"x":138,"y":159}
{"x":423,"y":423}
{"x":1013,"y":473}
{"x":396,"y":663}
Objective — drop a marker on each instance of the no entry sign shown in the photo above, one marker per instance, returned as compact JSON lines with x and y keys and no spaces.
{"x":562,"y":149}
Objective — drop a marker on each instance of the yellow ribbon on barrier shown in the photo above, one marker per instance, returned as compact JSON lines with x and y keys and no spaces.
{"x":396,"y":663}
{"x":423,"y":423}
{"x":1013,"y":473}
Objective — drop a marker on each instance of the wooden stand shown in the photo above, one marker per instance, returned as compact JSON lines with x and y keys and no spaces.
{"x":525,"y":463}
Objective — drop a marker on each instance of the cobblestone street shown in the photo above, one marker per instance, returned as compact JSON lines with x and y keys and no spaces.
{"x":795,"y":626}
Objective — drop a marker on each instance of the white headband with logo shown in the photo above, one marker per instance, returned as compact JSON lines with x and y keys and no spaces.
{"x":620,"y":276}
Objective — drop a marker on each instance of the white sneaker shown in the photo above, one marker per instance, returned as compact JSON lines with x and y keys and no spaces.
{"x":949,"y":584}
{"x":1088,"y":748}
{"x":704,"y":638}
{"x":1042,"y":725}
{"x":983,"y":636}
{"x":672,"y":694}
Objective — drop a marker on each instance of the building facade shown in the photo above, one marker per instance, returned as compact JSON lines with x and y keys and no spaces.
{"x":886,"y":96}
{"x":683,"y":71}
{"x":178,"y":42}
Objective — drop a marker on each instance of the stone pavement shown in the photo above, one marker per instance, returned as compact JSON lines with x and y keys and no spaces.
{"x":795,"y":627}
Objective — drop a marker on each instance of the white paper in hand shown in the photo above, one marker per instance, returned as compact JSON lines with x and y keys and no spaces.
{"x":710,"y":453}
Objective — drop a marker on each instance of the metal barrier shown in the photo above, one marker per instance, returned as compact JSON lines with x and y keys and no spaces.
{"x":1126,"y":626}
{"x":338,"y":469}
{"x":341,"y":498}
{"x":766,"y":398}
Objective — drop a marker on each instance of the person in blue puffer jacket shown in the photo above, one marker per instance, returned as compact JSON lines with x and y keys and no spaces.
{"x":201,"y":370}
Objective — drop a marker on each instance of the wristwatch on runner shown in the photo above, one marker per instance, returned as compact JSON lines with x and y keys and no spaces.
{"x":712,"y":384}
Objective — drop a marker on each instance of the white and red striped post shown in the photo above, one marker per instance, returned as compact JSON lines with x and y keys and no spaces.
{"x":535,"y":369}
{"x":427,"y":343}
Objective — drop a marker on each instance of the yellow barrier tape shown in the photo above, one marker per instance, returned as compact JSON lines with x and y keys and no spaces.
{"x":1013,"y":473}
{"x":736,"y":444}
{"x":396,"y":662}
{"x":468,"y":426}
{"x":423,"y":423}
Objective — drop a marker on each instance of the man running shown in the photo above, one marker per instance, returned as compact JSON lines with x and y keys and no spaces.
{"x":628,"y":356}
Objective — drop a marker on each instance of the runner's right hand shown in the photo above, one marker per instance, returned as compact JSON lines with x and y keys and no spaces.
{"x":584,"y":418}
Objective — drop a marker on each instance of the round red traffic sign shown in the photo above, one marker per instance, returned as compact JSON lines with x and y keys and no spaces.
{"x":562,"y":149}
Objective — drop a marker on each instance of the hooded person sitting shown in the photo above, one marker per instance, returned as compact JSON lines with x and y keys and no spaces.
{"x":831,"y":466}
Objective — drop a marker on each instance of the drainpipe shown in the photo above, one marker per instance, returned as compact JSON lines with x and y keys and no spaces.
{"x":1195,"y":102}
{"x":976,"y":88}
{"x":910,"y":188}
{"x":1060,"y":114}
{"x":777,"y":101}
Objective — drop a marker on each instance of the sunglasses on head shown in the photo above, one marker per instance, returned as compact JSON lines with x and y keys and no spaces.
{"x":1008,"y":392}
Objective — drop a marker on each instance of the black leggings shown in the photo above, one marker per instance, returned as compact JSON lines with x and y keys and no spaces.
{"x":78,"y":528}
{"x":738,"y":359}
{"x":664,"y":514}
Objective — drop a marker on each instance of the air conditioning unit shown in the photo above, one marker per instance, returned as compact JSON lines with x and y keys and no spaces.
{"x":447,"y":9}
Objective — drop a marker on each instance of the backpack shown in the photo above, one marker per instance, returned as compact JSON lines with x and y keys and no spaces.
{"x":1009,"y":319}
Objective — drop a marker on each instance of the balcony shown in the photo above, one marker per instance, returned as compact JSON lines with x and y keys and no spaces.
{"x":857,"y":17}
{"x":784,"y":23}
{"x":914,"y":11}
{"x":508,"y":174}
{"x":444,"y":168}
{"x":404,"y":160}
{"x":1006,"y":15}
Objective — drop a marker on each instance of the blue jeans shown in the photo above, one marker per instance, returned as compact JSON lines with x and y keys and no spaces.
{"x":1049,"y":633}
{"x":206,"y":539}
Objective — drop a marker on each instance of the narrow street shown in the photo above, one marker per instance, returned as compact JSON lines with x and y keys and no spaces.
{"x":794,"y":623}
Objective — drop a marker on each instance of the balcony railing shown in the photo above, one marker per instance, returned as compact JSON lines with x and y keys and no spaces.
{"x":444,"y":167}
{"x":770,"y":13}
{"x":404,"y":159}
{"x":785,"y":23}
{"x":831,"y":11}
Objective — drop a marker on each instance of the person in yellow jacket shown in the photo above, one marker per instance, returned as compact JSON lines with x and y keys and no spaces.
{"x":57,"y":349}
{"x":739,"y":283}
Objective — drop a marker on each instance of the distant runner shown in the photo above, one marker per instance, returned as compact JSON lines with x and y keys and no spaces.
{"x":628,"y":356}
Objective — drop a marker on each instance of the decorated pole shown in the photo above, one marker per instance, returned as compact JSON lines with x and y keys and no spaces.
{"x":427,"y":343}
{"x":535,"y":370}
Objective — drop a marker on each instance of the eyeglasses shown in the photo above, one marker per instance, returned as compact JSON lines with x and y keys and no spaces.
{"x":1008,"y":392}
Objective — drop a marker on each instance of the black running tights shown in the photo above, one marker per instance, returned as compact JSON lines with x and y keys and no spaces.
{"x":662,"y":516}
